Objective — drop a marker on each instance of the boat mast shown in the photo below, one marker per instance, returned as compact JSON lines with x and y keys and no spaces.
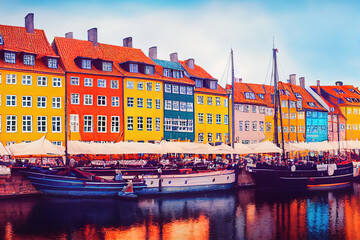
{"x":232,"y":100}
{"x":67,"y":162}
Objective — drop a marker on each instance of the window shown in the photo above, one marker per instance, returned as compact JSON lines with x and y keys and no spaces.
{"x":11,"y":100}
{"x":292,"y":115}
{"x":189,"y":90}
{"x":56,"y":82}
{"x":301,"y":115}
{"x":114,"y":84}
{"x":176,"y":105}
{"x":286,"y":129}
{"x":29,"y":60}
{"x":209,"y":101}
{"x":175,"y":124}
{"x":115,"y":124}
{"x":133,"y":67}
{"x":88,"y":99}
{"x":41,"y":102}
{"x":218,"y":118}
{"x":88,"y":123}
{"x":225,"y":102}
{"x":167,"y":88}
{"x":149,"y":124}
{"x":262,"y":96}
{"x":226,"y":119}
{"x":301,"y":128}
{"x":88,"y":82}
{"x":56,"y":124}
{"x":200,"y":118}
{"x":213,"y":85}
{"x":167,"y":72}
{"x":168,"y":124}
{"x":26,"y":80}
{"x":218,"y":102}
{"x":210,"y":137}
{"x":247,"y":125}
{"x":250,"y":95}
{"x":312,"y":104}
{"x":190,"y":107}
{"x":140,"y":123}
{"x":355,"y":111}
{"x":157,"y":124}
{"x":107,"y":66}
{"x":190,"y":125}
{"x":283,"y":103}
{"x":200,"y":100}
{"x":42,"y":81}
{"x":56,"y":102}
{"x":101,"y":100}
{"x":27,"y":101}
{"x":177,"y":74}
{"x":52,"y":63}
{"x":130,"y":102}
{"x":175,"y":88}
{"x":102,"y":83}
{"x":130,"y":123}
{"x":149,"y":70}
{"x":268,"y":126}
{"x":58,"y":143}
{"x":149,"y":103}
{"x":148,"y":86}
{"x":349,"y":111}
{"x":158,"y":103}
{"x":115,"y":101}
{"x":285,"y":115}
{"x":253,"y":108}
{"x":182,"y":90}
{"x":140,"y":85}
{"x":254,"y":125}
{"x":209,"y":118}
{"x":157,"y":87}
{"x":198,"y":83}
{"x":75,"y":98}
{"x":183,"y":106}
{"x":11,"y":123}
{"x":292,"y":104}
{"x":11,"y":78}
{"x":241,"y":126}
{"x":41,"y":124}
{"x":292,"y":128}
{"x":139,"y":102}
{"x":26,"y":123}
{"x":10,"y":57}
{"x":299,"y":104}
{"x":167,"y":104}
{"x":218,"y":137}
{"x":86,"y":64}
{"x":74,"y":123}
{"x":101,"y":123}
{"x":262,"y":110}
{"x":130,"y":84}
{"x":200,"y":137}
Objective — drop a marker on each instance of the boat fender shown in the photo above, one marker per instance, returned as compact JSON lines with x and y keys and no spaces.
{"x":293,"y":168}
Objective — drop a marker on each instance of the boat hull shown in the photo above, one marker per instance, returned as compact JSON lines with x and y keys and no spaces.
{"x":312,"y":179}
{"x":187,"y":183}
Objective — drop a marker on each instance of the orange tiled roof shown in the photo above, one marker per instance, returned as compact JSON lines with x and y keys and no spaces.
{"x":198,"y":71}
{"x":16,"y":39}
{"x":185,"y":80}
{"x":69,"y":49}
{"x":239,"y":95}
{"x":218,"y":91}
{"x":306,"y":98}
{"x":343,"y":93}
{"x":268,"y":91}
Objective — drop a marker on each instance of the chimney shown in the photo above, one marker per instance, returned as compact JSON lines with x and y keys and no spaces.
{"x":153,"y":52}
{"x":190,"y":63}
{"x":29,"y":23}
{"x":292,"y":79}
{"x":174,"y":57}
{"x":339,"y":83}
{"x":318,"y":87}
{"x":302,"y":82}
{"x":127,"y":42}
{"x":69,"y":35}
{"x":92,"y":36}
{"x":239,"y":80}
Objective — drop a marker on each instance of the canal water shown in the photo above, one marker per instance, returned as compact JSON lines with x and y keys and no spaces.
{"x":240,"y":214}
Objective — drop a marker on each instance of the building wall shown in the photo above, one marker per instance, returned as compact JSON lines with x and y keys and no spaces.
{"x":135,"y":133}
{"x":172,"y":118}
{"x":81,"y":109}
{"x":33,"y":90}
{"x":352,"y":122}
{"x":333,"y":127}
{"x":316,"y":126}
{"x":206,"y":129}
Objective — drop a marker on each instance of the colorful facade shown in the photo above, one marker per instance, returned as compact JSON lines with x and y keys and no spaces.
{"x":211,"y":106}
{"x":178,"y":101}
{"x":32,"y":86}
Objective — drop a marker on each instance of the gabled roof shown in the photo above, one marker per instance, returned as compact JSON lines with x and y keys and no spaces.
{"x":349,"y":95}
{"x":159,"y":68}
{"x":69,"y":49}
{"x":197,"y":72}
{"x":289,"y":95}
{"x":307,"y":98}
{"x":18,"y":40}
{"x":239,"y":95}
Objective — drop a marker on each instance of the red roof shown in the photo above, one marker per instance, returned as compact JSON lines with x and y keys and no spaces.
{"x":218,"y":91}
{"x":16,"y":39}
{"x":198,"y":71}
{"x":185,"y":80}
{"x":347,"y":93}
{"x":239,"y":95}
{"x":306,"y":98}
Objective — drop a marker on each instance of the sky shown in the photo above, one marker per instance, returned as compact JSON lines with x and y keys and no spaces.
{"x":316,"y":39}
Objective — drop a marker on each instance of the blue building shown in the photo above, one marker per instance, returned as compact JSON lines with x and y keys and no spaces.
{"x":178,"y":98}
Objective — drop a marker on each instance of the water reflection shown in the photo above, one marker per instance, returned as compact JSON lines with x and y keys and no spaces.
{"x":243,"y":214}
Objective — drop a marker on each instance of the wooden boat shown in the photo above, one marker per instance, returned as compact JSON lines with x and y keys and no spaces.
{"x":73,"y":182}
{"x":185,"y":183}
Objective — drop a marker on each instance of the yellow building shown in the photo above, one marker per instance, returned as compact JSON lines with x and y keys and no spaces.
{"x":32,"y":86}
{"x":211,"y":106}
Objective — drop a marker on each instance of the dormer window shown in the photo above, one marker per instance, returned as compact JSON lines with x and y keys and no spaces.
{"x":332,"y":109}
{"x":107,"y":66}
{"x":198,"y":83}
{"x":1,"y":40}
{"x":149,"y":70}
{"x":85,"y":63}
{"x":298,"y":96}
{"x":29,"y":60}
{"x":167,"y":72}
{"x":249,"y":95}
{"x":213,"y":85}
{"x":261,"y":95}
{"x":134,"y":68}
{"x":312,"y":104}
{"x":10,"y":57}
{"x":52,"y":63}
{"x":177,"y":74}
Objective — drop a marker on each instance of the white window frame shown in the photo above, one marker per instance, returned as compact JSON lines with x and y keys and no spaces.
{"x":115,"y":101}
{"x":218,"y":118}
{"x":200,"y":118}
{"x":140,"y":85}
{"x":11,"y":123}
{"x":101,"y":83}
{"x":157,"y":87}
{"x":190,"y":107}
{"x":140,"y":102}
{"x":158,"y":103}
{"x":167,"y":88}
{"x":27,"y":124}
{"x":56,"y":82}
{"x":168,"y":105}
{"x":107,"y":66}
{"x":56,"y":124}
{"x":149,"y":124}
{"x":41,"y":101}
{"x":115,"y":124}
{"x":88,"y":100}
{"x":88,"y":82}
{"x":101,"y":123}
{"x":26,"y":80}
{"x":41,"y":124}
{"x":130,"y":84}
{"x":29,"y":60}
{"x":140,"y":123}
{"x":11,"y":100}
{"x":56,"y":102}
{"x":130,"y":123}
{"x":130,"y":102}
{"x":75,"y":81}
{"x":27,"y":101}
{"x":114,"y":84}
{"x":157,"y":124}
{"x":101,"y":101}
{"x":42,"y":81}
{"x":149,"y":86}
{"x":149,"y":103}
{"x":11,"y":78}
{"x":209,"y":118}
{"x":175,"y":105}
{"x":200,"y":100}
{"x":10,"y":57}
{"x":75,"y":98}
{"x":88,"y":123}
{"x":74,"y":122}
